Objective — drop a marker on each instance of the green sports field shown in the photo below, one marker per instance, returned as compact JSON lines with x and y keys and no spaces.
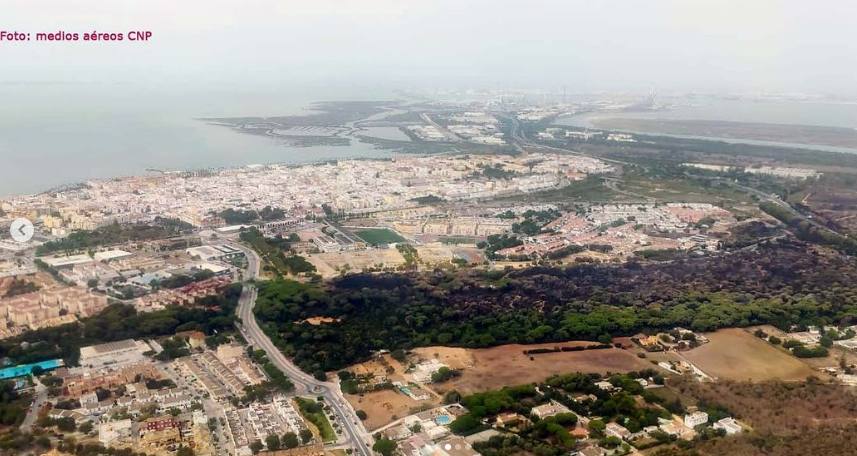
{"x":378,"y":236}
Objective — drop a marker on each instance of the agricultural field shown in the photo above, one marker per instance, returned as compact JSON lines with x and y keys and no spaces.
{"x":736,"y":354}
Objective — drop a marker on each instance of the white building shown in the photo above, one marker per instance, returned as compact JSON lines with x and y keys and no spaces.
{"x":550,"y":409}
{"x":214,"y":252}
{"x":617,"y":430}
{"x":423,"y":371}
{"x":110,"y":432}
{"x":605,"y":385}
{"x":119,"y":352}
{"x":696,"y":418}
{"x":729,"y":425}
{"x":108,"y":255}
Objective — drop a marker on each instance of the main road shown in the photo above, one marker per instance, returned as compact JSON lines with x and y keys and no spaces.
{"x":355,"y":434}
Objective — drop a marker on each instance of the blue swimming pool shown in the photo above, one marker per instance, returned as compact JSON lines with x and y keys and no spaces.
{"x":442,"y":420}
{"x":25,"y":369}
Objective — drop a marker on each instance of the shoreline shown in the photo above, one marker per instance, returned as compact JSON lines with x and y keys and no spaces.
{"x":634,"y":125}
{"x":151,"y":172}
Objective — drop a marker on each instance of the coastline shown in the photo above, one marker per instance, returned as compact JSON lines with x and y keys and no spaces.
{"x":601,"y":123}
{"x":151,"y":172}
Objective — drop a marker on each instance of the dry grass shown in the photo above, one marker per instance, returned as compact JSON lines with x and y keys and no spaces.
{"x":735,"y":354}
{"x":482,"y":369}
{"x":435,"y":253}
{"x":41,"y":279}
{"x":381,"y":366}
{"x":384,"y":406}
{"x":327,"y":264}
{"x":493,"y":368}
{"x":832,"y":440}
{"x":778,"y":406}
{"x":787,"y":418}
{"x":454,"y":357}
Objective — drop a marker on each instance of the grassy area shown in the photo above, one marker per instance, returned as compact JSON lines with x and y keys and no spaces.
{"x":312,"y":411}
{"x":273,"y":252}
{"x":378,"y":236}
{"x":410,"y":254}
{"x":590,"y":189}
{"x":679,"y":189}
{"x":112,"y":234}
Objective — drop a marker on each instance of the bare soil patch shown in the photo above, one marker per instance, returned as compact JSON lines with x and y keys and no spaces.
{"x":506,"y":365}
{"x":384,"y":406}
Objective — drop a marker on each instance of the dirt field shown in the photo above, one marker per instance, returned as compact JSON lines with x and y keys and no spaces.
{"x":316,"y":321}
{"x":327,"y":264}
{"x":384,"y":406}
{"x":482,"y":369}
{"x":492,"y":368}
{"x":41,"y":279}
{"x":330,"y":264}
{"x":735,"y":354}
{"x":437,"y":252}
{"x":455,"y":358}
{"x":384,"y":366}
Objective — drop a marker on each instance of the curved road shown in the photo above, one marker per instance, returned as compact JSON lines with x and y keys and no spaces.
{"x":355,"y":434}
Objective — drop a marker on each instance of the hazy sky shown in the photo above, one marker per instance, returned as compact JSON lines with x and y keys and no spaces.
{"x":585,"y":45}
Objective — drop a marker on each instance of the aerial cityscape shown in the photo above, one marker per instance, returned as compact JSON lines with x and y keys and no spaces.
{"x":274,"y":244}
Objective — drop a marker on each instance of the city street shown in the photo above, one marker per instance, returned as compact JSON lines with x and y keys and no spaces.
{"x":355,"y":435}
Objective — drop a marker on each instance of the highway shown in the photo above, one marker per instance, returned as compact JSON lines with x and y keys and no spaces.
{"x":519,"y":140}
{"x":355,"y":434}
{"x":450,"y":136}
{"x":771,"y":198}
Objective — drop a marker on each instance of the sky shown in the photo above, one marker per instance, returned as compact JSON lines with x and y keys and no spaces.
{"x":581,"y":45}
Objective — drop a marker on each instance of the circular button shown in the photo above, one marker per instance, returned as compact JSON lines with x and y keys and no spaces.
{"x":22,"y":230}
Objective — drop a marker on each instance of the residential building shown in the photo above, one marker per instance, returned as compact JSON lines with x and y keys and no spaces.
{"x":729,"y":425}
{"x":617,"y":430}
{"x":696,"y":418}
{"x":550,"y":409}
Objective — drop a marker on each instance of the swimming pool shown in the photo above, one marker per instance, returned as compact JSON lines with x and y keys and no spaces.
{"x":442,"y":420}
{"x":26,"y":369}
